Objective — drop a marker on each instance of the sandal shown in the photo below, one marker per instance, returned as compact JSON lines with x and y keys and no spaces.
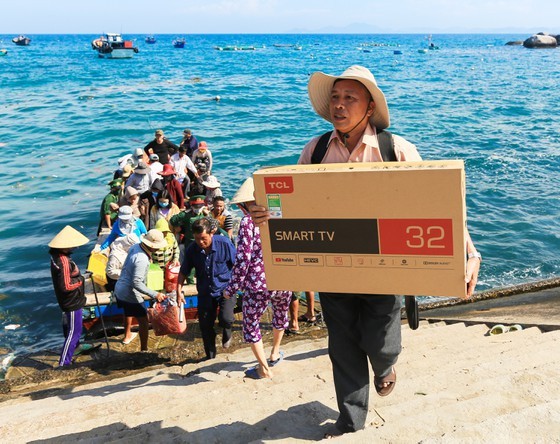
{"x":391,"y":378}
{"x":304,"y":318}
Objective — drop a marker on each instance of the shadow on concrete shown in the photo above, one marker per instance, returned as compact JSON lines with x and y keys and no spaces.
{"x":303,"y":422}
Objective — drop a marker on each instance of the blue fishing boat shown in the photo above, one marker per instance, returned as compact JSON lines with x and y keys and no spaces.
{"x":150,"y":39}
{"x":179,"y":42}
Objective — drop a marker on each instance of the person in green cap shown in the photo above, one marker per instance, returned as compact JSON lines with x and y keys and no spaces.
{"x":110,"y":205}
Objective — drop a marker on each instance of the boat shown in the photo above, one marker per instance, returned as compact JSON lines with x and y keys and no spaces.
{"x":423,"y":51}
{"x":397,"y":52}
{"x":3,"y":52}
{"x":431,"y":45}
{"x":179,"y":42}
{"x":113,"y":46}
{"x":226,"y":48}
{"x":150,"y":39}
{"x":21,"y":40}
{"x":102,"y":315}
{"x":235,"y":48}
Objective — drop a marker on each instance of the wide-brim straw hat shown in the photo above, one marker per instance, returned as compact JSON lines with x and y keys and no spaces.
{"x":154,"y":239}
{"x":320,"y":86}
{"x":245,"y":193}
{"x":211,"y":182}
{"x":68,"y":237}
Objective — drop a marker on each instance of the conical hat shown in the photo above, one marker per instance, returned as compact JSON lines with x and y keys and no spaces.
{"x":245,"y":193}
{"x":68,"y":237}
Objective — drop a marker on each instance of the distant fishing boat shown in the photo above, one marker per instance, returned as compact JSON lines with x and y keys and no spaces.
{"x":113,"y":46}
{"x":397,"y":52}
{"x":179,"y":42}
{"x":431,"y":45}
{"x":21,"y":40}
{"x":3,"y":52}
{"x":235,"y":48}
{"x":150,"y":39}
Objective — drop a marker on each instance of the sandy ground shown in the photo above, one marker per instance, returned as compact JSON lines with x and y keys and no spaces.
{"x":455,"y":384}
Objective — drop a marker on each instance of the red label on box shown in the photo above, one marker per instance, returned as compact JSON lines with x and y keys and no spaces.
{"x":279,"y":185}
{"x":425,"y":237}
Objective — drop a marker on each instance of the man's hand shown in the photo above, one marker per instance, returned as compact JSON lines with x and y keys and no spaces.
{"x":471,"y":278}
{"x":160,"y":297}
{"x":259,"y":214}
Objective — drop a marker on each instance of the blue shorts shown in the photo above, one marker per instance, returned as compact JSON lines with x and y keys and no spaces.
{"x":134,"y":309}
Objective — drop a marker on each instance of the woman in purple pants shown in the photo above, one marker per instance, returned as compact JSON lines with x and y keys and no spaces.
{"x":248,"y":276}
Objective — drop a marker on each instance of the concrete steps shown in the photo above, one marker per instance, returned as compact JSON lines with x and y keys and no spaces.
{"x":454,"y":385}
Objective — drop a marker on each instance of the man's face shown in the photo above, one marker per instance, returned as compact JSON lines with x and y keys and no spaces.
{"x":219,"y":207}
{"x":159,"y":138}
{"x":350,"y":100}
{"x":203,"y":240}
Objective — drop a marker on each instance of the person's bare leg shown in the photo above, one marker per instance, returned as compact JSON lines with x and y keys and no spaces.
{"x":263,"y":369}
{"x":294,"y":313}
{"x":127,"y":328}
{"x":310,"y":298}
{"x":276,"y":339}
{"x":143,"y":328}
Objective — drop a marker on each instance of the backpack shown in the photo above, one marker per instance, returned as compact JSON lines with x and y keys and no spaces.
{"x":387,"y":148}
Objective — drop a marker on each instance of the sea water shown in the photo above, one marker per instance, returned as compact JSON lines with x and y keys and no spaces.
{"x":66,"y":116}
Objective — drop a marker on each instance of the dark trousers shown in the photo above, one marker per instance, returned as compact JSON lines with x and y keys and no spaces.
{"x":72,"y":329}
{"x":360,"y":327}
{"x":207,"y":313}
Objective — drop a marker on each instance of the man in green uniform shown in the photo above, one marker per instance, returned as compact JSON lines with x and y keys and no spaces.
{"x":182,"y":224}
{"x":110,"y":206}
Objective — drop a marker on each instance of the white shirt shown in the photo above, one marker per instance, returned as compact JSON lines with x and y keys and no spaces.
{"x":181,"y":165}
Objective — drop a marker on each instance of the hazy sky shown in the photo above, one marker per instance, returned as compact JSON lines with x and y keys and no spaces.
{"x":278,"y":16}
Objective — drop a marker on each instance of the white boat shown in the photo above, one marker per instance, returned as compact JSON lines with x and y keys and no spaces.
{"x":113,"y":46}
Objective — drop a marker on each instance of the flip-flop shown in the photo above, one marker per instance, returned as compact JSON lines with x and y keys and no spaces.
{"x":304,"y":318}
{"x":290,"y":331}
{"x":391,"y":378}
{"x":132,"y":337}
{"x":497,"y":330}
{"x":277,"y":360}
{"x":515,"y":327}
{"x":253,"y":373}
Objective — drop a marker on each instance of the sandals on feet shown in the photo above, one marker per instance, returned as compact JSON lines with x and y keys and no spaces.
{"x":304,"y":318}
{"x":391,"y":378}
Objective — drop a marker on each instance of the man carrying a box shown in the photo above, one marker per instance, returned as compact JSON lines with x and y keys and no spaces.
{"x":360,"y":327}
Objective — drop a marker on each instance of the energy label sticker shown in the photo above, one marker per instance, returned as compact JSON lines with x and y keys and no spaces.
{"x":274,"y":205}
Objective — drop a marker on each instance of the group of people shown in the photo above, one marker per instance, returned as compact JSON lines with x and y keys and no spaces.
{"x":361,"y":327}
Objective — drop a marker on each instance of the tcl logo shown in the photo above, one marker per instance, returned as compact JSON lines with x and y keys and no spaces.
{"x":279,"y":185}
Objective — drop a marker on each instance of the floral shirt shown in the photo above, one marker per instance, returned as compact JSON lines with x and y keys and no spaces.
{"x":248,"y":270}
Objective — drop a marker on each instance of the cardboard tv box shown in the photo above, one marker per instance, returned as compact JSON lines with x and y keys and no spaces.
{"x":373,"y":228}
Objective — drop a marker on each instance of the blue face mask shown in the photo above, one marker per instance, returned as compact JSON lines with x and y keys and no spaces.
{"x":163,"y":204}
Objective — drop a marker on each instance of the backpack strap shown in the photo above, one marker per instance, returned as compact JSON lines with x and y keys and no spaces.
{"x":321,"y":148}
{"x":384,"y":137}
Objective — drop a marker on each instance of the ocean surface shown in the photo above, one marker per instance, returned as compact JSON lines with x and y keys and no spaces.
{"x":66,"y":116}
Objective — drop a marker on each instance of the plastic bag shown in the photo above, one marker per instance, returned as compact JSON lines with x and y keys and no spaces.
{"x":167,"y":318}
{"x":171,"y":276}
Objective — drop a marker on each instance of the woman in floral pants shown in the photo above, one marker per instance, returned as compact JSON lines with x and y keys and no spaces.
{"x":248,"y":276}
